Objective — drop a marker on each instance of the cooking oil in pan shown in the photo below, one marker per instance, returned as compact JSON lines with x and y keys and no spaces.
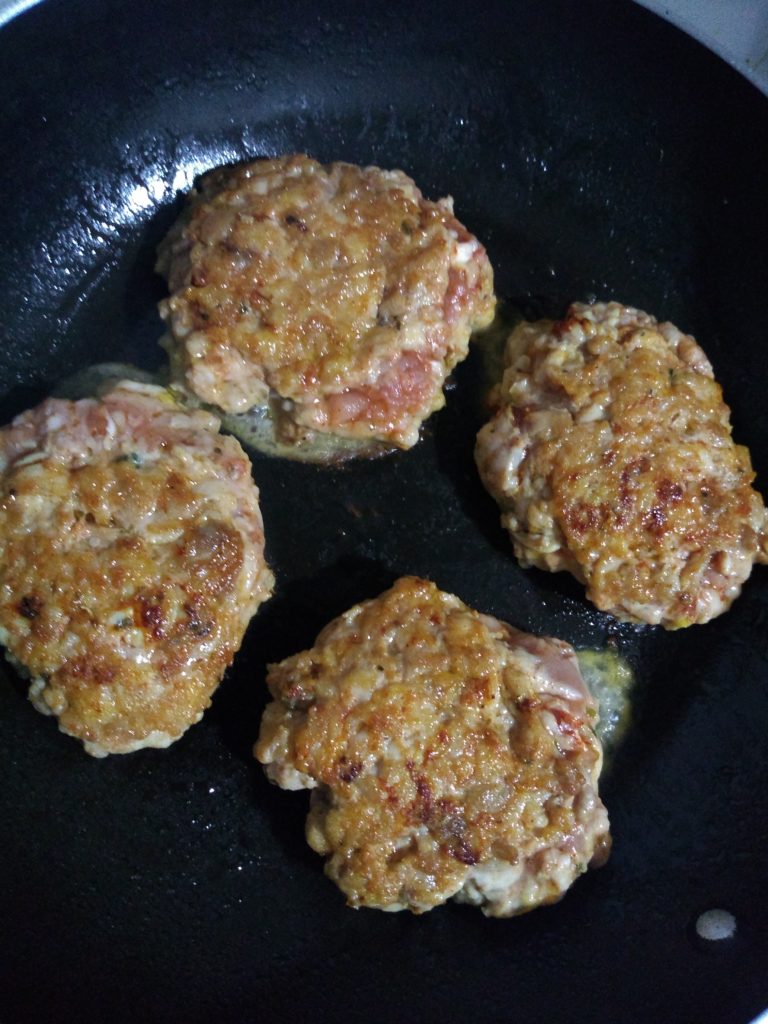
{"x":610,"y":680}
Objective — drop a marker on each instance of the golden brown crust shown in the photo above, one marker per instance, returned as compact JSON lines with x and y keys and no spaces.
{"x":449,"y":755}
{"x":339,"y":289}
{"x":131,"y":560}
{"x":611,"y":456}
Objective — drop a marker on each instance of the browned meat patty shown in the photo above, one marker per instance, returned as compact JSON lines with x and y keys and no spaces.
{"x":335,"y":295}
{"x":449,"y":755}
{"x":131,"y":561}
{"x":610,"y":455}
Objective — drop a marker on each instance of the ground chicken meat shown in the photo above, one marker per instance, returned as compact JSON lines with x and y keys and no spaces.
{"x":131,"y":560}
{"x":337,"y":292}
{"x":611,"y":456}
{"x":450,"y":756}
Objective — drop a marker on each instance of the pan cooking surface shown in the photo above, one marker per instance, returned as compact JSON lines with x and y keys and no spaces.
{"x":596,"y":151}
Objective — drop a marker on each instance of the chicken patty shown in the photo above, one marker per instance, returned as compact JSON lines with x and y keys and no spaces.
{"x":610,"y":455}
{"x":131,"y":561}
{"x":336,"y":296}
{"x":449,"y":755}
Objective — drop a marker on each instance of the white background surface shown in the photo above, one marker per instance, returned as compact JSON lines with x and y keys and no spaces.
{"x":735,"y":29}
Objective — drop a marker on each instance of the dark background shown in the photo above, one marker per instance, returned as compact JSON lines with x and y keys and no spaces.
{"x":596,"y":151}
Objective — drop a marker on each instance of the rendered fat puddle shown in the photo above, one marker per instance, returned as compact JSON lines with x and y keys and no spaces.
{"x":610,"y":680}
{"x":260,"y":429}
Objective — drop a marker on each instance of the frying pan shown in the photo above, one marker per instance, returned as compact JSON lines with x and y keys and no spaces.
{"x":596,"y":151}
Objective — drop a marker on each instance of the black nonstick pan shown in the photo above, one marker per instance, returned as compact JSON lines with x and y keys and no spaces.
{"x":596,"y":151}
